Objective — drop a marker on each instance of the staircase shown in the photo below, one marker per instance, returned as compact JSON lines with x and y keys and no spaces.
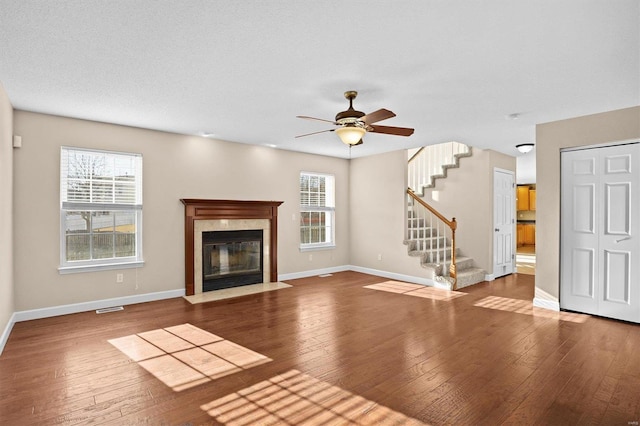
{"x":431,"y":162}
{"x":433,"y":248}
{"x":429,"y":235}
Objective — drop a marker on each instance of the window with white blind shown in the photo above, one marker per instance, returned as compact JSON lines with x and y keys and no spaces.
{"x":317,"y":210}
{"x":100,"y":210}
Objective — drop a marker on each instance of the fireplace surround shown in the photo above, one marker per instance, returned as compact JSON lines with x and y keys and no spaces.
{"x":203,"y":216}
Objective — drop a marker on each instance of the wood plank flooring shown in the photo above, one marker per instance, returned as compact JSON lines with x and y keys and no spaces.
{"x":339,"y":353}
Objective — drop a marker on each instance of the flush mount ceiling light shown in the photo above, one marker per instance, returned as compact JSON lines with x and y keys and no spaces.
{"x":524,"y":147}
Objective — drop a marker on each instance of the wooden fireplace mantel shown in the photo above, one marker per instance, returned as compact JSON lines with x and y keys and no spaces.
{"x":197,"y":209}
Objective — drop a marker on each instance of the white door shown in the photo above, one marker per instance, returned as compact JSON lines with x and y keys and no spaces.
{"x":503,"y":222}
{"x":600,"y":242}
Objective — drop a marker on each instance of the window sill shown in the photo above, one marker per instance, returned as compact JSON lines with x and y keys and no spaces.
{"x":318,"y":247}
{"x":63,"y":270}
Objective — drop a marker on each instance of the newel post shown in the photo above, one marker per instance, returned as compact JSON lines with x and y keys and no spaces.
{"x":452,"y":267}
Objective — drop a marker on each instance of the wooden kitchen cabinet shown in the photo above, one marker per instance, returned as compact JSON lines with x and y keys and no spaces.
{"x":526,"y":234}
{"x":529,"y":234}
{"x":522,"y":194}
{"x":520,"y":234}
{"x":532,"y":199}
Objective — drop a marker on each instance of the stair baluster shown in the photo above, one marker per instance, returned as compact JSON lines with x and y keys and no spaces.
{"x":423,"y":230}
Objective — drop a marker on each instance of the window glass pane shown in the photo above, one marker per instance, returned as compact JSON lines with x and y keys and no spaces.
{"x":125,"y":233}
{"x":305,"y":218}
{"x":304,"y":183}
{"x":125,"y":192}
{"x":102,"y":191}
{"x":102,"y":246}
{"x":78,"y":246}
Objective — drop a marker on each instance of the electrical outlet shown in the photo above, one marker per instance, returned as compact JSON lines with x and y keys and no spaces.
{"x":119,"y":278}
{"x":379,"y":256}
{"x":310,"y":257}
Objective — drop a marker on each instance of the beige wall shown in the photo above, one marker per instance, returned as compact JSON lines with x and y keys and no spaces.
{"x":378,"y":185}
{"x":467,"y":195}
{"x":175,"y":166}
{"x":6,"y":211}
{"x":620,"y":125}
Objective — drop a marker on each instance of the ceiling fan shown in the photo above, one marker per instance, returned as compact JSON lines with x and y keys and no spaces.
{"x":352,"y":124}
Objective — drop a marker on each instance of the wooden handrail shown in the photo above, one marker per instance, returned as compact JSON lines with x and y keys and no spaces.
{"x":452,"y":224}
{"x":416,"y":154}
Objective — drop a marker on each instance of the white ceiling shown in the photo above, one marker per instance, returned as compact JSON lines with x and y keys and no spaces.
{"x":242,"y":70}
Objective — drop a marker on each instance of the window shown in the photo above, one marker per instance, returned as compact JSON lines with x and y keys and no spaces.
{"x":100,"y":210}
{"x":317,"y":210}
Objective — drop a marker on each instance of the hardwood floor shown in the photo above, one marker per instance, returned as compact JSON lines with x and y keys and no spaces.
{"x":338,"y":352}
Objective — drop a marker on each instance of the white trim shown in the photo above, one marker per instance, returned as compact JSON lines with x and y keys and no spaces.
{"x":599,"y":145}
{"x":63,"y":270}
{"x":395,"y":276}
{"x":384,"y":274}
{"x":313,"y":272}
{"x":7,"y":330}
{"x":96,"y":304}
{"x":546,"y":304}
{"x":489,"y":277}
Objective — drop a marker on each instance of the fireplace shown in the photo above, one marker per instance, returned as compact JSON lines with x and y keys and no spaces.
{"x":233,"y":222}
{"x":231,"y":258}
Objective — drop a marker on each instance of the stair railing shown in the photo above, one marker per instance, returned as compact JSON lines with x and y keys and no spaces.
{"x":426,"y":222}
{"x":432,"y":161}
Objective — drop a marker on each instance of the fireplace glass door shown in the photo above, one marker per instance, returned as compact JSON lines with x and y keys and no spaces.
{"x":231,"y":258}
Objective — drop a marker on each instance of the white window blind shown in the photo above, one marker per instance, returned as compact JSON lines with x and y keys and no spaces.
{"x":317,"y":210}
{"x":100,"y":208}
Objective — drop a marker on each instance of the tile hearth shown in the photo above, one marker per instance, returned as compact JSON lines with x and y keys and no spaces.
{"x":228,"y":293}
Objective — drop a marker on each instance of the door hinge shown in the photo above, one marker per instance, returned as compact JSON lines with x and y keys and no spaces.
{"x":513,"y":256}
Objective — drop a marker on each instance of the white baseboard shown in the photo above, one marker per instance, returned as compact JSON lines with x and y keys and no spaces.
{"x":546,"y":304}
{"x":96,"y":304}
{"x":313,"y":272}
{"x":489,"y":277}
{"x":394,"y":276}
{"x":7,"y":330}
{"x":385,"y":274}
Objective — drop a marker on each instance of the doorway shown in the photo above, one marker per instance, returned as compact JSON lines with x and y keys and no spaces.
{"x":526,"y":196}
{"x":503,"y":222}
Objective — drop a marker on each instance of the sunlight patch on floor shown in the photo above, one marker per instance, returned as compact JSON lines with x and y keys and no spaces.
{"x":526,"y":263}
{"x":184,"y":356}
{"x":416,"y":290}
{"x":294,"y":398}
{"x":520,"y":306}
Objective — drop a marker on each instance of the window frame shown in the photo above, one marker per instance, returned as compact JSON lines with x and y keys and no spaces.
{"x":111,"y":208}
{"x":328,"y":209}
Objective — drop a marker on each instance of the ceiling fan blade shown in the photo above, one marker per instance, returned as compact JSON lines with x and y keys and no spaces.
{"x":379,"y":115}
{"x":315,"y":133}
{"x":388,"y":130}
{"x":313,"y":118}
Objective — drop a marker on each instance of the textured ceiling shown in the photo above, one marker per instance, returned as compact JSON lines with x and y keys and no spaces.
{"x":242,"y":70}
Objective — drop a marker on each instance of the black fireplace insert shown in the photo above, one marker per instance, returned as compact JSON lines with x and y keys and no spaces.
{"x":231,"y":258}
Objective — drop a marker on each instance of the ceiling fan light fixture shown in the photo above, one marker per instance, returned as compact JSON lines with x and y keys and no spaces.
{"x":350,"y":135}
{"x":524,"y":147}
